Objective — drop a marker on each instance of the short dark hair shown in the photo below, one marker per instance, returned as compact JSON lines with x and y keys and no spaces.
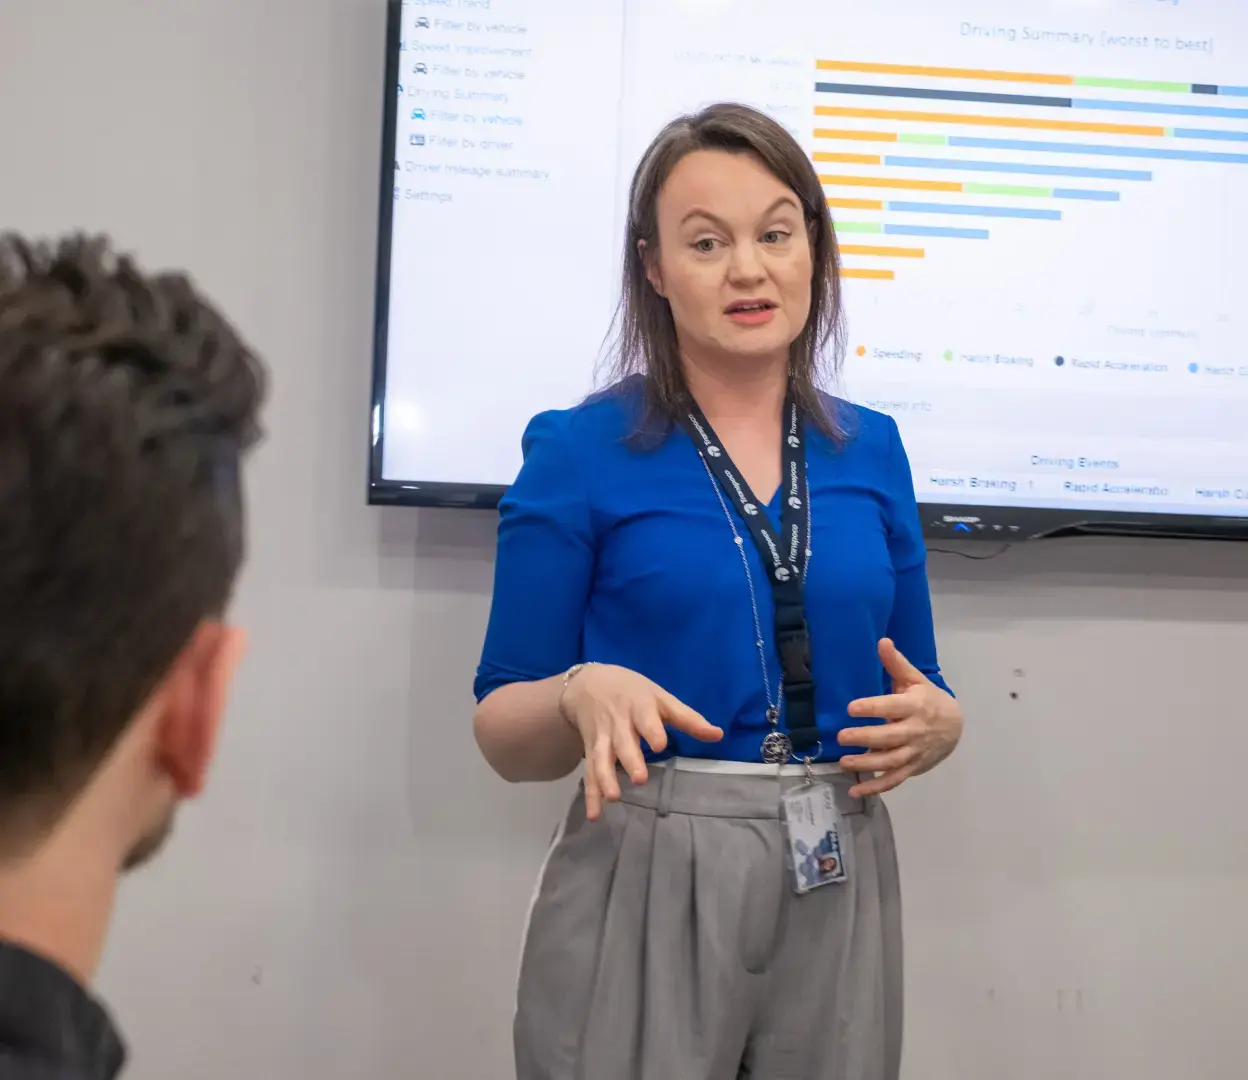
{"x":126,"y":403}
{"x":646,"y":343}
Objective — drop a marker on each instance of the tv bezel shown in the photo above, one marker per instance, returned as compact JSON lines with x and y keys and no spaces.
{"x":940,"y":520}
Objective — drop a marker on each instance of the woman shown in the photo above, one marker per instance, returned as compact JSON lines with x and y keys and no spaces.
{"x":723,"y":898}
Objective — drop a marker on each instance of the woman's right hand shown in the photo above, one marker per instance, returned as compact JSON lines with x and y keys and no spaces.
{"x":614,"y":709}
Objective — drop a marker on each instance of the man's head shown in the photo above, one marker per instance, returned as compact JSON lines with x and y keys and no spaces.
{"x":126,"y":402}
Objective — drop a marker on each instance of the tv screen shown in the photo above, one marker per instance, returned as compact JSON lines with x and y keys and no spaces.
{"x":1040,"y":210}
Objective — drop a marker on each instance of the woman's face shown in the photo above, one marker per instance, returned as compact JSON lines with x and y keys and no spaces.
{"x":734,"y":259}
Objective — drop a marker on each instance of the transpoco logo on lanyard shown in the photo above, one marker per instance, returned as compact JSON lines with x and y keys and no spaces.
{"x":785,"y":556}
{"x":812,"y":821}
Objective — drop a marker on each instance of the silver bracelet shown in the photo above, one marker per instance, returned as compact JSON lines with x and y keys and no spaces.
{"x":568,"y":676}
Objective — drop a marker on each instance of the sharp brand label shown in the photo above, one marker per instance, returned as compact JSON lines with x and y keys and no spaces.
{"x":793,"y":478}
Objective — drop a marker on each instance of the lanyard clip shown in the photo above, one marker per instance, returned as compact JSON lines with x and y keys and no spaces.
{"x":809,"y":763}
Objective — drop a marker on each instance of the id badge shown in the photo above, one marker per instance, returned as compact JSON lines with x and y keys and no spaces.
{"x":813,"y":825}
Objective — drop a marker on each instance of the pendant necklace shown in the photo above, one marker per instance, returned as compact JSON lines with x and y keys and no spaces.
{"x":777,"y":748}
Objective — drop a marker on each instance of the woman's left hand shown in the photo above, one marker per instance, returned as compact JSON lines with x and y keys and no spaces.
{"x":924,"y":724}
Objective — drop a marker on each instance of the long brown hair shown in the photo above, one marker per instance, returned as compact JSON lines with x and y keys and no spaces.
{"x":645,"y":335}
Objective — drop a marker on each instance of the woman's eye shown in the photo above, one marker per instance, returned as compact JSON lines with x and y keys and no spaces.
{"x":775,"y":236}
{"x":706,"y":245}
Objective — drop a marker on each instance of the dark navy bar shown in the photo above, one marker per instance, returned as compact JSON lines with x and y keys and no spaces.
{"x":1204,"y":88}
{"x":941,"y":95}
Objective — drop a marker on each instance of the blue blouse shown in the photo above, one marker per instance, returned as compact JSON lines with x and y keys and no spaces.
{"x":619,"y":554}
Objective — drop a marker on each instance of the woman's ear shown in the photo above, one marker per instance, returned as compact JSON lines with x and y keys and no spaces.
{"x":651,"y":265}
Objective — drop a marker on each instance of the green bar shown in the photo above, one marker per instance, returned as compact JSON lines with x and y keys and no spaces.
{"x":1008,"y":189}
{"x":859,"y":227}
{"x":925,"y":140}
{"x":1134,"y":84}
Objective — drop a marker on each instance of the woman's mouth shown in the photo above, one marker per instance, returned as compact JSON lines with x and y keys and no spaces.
{"x":751,"y":312}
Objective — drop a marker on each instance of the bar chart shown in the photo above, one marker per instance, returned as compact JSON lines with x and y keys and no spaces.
{"x":948,"y":154}
{"x":1038,"y":205}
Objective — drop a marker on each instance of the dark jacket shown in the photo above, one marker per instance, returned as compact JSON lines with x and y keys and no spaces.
{"x":50,"y":1027}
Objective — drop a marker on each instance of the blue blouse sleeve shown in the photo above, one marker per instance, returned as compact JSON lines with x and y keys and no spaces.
{"x":544,"y":565}
{"x":910,"y":624}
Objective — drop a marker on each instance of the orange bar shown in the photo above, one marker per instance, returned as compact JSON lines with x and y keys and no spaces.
{"x":857,"y":136}
{"x":871,"y":275}
{"x":890,"y":182}
{"x":883,"y":252}
{"x":945,"y":72}
{"x":856,"y":204}
{"x":847,"y":159}
{"x":989,"y":121}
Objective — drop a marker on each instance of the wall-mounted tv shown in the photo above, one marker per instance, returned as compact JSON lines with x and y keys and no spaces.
{"x":1041,"y":218}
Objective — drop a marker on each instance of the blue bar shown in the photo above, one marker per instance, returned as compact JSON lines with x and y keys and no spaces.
{"x":1233,"y":91}
{"x":956,"y":164}
{"x":1158,"y":107}
{"x":1202,"y":133}
{"x":974,"y":211}
{"x":935,"y":230}
{"x":1084,"y":193}
{"x":1100,"y":151}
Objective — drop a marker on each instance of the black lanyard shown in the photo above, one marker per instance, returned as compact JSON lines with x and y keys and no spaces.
{"x":783,"y":556}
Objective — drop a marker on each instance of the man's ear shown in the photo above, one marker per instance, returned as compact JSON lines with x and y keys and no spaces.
{"x":652,"y":267}
{"x":195,"y":693}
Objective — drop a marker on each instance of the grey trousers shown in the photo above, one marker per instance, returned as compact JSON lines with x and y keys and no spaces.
{"x":666,"y":943}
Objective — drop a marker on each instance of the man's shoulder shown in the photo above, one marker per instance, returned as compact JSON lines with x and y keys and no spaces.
{"x":15,"y":1066}
{"x":52,"y":1028}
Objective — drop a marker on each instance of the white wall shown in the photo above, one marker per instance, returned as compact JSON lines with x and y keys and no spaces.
{"x":347,"y":902}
